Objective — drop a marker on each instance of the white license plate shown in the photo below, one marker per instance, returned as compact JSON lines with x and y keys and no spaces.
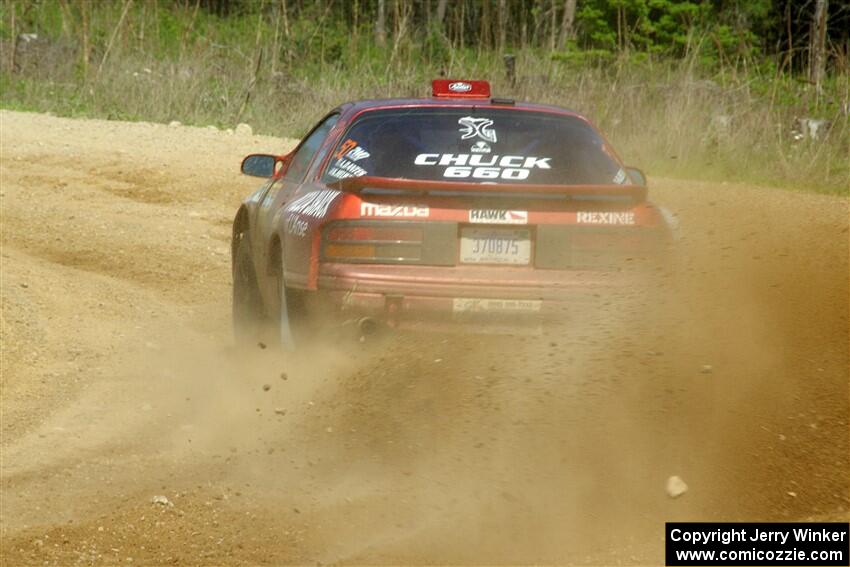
{"x":495,"y":246}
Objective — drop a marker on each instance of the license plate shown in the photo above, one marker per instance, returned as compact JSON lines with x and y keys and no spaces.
{"x":495,"y":246}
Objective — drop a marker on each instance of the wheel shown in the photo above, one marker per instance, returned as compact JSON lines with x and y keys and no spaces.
{"x":248,"y":314}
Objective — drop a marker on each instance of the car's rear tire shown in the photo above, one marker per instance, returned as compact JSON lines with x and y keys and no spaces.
{"x":248,"y":313}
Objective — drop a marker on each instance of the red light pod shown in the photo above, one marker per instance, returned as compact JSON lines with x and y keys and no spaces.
{"x":459,"y":88}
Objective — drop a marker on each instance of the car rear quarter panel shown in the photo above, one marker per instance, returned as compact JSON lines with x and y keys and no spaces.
{"x":299,"y":225}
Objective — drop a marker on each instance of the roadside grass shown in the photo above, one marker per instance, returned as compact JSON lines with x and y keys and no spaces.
{"x":672,"y":117}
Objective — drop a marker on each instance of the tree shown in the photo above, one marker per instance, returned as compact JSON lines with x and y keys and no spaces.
{"x":567,"y":22}
{"x":817,"y":44}
{"x":503,"y":23}
{"x":380,"y":24}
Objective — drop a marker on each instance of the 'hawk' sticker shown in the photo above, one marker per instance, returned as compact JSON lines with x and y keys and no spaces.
{"x":495,"y":216}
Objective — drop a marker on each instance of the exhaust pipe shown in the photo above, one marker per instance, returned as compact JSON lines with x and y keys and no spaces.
{"x":367,"y":326}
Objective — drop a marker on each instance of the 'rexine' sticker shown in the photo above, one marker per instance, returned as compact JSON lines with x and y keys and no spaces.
{"x":602,"y":217}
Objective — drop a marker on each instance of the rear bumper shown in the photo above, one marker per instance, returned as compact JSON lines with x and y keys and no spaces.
{"x":422,"y":296}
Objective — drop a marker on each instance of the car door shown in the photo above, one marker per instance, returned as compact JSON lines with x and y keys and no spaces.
{"x":284,"y":187}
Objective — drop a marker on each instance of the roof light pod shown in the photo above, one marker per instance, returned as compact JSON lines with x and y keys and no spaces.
{"x":458,"y":88}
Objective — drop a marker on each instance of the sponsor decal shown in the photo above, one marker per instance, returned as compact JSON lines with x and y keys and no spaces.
{"x":346,"y":168}
{"x":475,"y":305}
{"x":313,"y":204}
{"x":494,"y":216}
{"x":486,"y":161}
{"x":348,"y":153}
{"x":620,"y":178}
{"x":357,"y":154}
{"x":296,"y":226}
{"x":375,"y":210}
{"x":480,"y":148}
{"x":472,"y":127}
{"x":344,"y":148}
{"x":349,"y":149}
{"x":625,"y":218}
{"x":460,"y":87}
{"x":480,"y":166}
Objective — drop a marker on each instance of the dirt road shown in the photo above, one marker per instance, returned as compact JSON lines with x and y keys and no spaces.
{"x":120,"y":382}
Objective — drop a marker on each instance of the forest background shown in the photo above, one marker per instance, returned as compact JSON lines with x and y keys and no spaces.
{"x":749,"y":90}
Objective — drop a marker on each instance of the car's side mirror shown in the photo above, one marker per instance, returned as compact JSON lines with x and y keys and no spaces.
{"x":637,"y":176}
{"x":261,"y":165}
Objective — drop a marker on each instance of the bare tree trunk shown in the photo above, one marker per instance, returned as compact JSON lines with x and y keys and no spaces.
{"x":438,"y":20}
{"x":85,"y":8}
{"x":538,"y":29}
{"x":789,"y":57}
{"x":523,"y":29}
{"x":276,"y":40}
{"x":567,"y":20}
{"x":441,"y":11}
{"x":461,"y":19}
{"x":402,"y":17}
{"x":503,"y":24}
{"x":188,"y":30}
{"x":380,"y":23}
{"x":817,"y":49}
{"x":484,"y":27}
{"x":620,"y":28}
{"x":355,"y":22}
{"x":553,"y":25}
{"x":14,"y":51}
{"x":114,"y":35}
{"x":156,"y":18}
{"x":144,"y":21}
{"x":67,"y":19}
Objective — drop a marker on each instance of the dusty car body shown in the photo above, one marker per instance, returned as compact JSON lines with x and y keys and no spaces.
{"x":455,"y":209}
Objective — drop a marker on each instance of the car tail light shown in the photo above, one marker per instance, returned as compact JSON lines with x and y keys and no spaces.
{"x":346,"y":251}
{"x":370,"y":241}
{"x":381,"y":234}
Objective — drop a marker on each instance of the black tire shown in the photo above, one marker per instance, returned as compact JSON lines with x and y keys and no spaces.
{"x":248,"y":314}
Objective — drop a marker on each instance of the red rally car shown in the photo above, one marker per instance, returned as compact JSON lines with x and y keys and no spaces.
{"x":453,"y":210}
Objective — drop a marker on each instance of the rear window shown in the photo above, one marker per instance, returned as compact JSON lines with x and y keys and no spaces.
{"x":474,"y":145}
